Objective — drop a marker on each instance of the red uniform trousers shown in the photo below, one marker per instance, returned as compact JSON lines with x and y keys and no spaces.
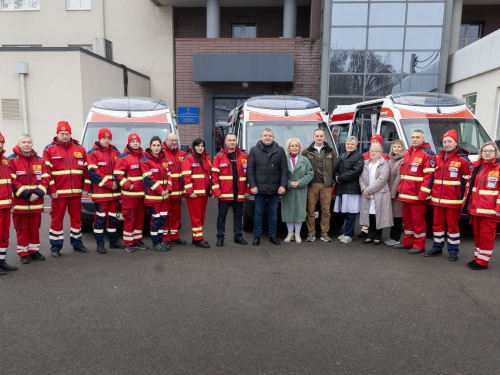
{"x":57,"y":212}
{"x":133,"y":213}
{"x":197,"y":209}
{"x":4,"y":233}
{"x":173,"y":220}
{"x":444,"y":216}
{"x":28,"y":233}
{"x":414,"y":225}
{"x":484,"y":238}
{"x":159,"y":213}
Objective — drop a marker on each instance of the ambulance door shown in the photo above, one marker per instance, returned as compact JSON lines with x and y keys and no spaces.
{"x":388,"y":129}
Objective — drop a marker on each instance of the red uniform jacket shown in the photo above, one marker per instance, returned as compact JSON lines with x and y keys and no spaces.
{"x":67,"y":165}
{"x":102,"y":162}
{"x":196,"y":174}
{"x":128,"y":173}
{"x":174,"y":160}
{"x":482,"y":197}
{"x":156,"y":177}
{"x":5,"y":182}
{"x":30,"y":175}
{"x":222,"y":176}
{"x":416,"y":175}
{"x":450,"y":178}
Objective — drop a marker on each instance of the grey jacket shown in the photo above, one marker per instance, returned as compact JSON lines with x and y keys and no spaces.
{"x":394,"y":178}
{"x":381,"y":193}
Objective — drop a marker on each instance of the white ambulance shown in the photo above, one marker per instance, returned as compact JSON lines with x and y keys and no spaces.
{"x":288,"y":117}
{"x":397,"y":116}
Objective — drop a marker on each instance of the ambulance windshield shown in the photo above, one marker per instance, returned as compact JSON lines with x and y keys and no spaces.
{"x":121,"y":131}
{"x":471,"y":134}
{"x":284,"y":130}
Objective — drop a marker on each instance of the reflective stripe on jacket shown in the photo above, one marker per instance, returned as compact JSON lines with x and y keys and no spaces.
{"x":5,"y":183}
{"x":101,"y":164}
{"x":156,"y":177}
{"x":128,"y":173}
{"x":196,"y":174}
{"x":174,"y":160}
{"x":416,"y":175}
{"x":482,"y":196}
{"x":222,"y":176}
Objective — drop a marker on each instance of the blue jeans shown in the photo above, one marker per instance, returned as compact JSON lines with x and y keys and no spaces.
{"x":350,"y":221}
{"x":260,"y":203}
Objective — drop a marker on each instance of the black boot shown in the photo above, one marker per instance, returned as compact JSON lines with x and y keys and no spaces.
{"x":6,"y":267}
{"x":37,"y":256}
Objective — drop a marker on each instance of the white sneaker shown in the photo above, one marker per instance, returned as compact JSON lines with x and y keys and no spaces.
{"x":290,"y":236}
{"x":340,"y":237}
{"x":391,"y":242}
{"x":297,"y":237}
{"x":346,"y":239}
{"x":326,"y":238}
{"x":310,"y":238}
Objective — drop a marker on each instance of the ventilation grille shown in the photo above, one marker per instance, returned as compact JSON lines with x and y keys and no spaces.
{"x":11,"y":109}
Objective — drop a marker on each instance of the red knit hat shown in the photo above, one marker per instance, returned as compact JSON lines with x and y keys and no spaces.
{"x":104,"y":132}
{"x":133,"y":136}
{"x":452,"y":134}
{"x":2,"y":138}
{"x":63,"y":126}
{"x":378,"y":137}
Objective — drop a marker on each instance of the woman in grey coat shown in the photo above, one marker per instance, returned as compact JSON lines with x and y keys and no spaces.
{"x":293,"y":202}
{"x":376,"y":211}
{"x":397,"y":155}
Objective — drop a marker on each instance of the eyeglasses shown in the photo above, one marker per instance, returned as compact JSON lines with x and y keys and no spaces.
{"x":488,"y":151}
{"x":375,"y":152}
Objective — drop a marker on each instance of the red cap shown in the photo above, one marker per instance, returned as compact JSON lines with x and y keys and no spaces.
{"x":104,"y":132}
{"x":133,"y":136}
{"x":378,"y":137}
{"x":451,"y":133}
{"x":63,"y":126}
{"x":2,"y":138}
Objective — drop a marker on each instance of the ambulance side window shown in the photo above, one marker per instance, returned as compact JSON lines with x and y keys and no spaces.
{"x":389,"y":134}
{"x":339,"y":133}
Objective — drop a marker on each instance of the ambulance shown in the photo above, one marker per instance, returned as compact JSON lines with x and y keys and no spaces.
{"x":288,"y":117}
{"x":124,"y":115}
{"x":397,"y":116}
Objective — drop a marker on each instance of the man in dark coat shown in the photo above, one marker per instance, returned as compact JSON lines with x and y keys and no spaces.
{"x":267,"y":176}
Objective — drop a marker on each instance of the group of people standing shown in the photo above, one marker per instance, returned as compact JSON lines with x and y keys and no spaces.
{"x":387,"y":191}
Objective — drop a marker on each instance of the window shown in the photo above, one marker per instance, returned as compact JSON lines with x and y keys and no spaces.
{"x":470,"y":102}
{"x":469,"y":33}
{"x":389,"y":134}
{"x":245,"y":31}
{"x":78,"y":4}
{"x":20,"y":5}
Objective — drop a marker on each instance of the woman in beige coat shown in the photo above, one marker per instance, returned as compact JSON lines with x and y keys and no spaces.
{"x":376,"y":210}
{"x":397,"y":155}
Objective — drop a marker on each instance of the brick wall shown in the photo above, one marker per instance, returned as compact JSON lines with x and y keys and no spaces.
{"x":191,"y":94}
{"x":487,"y":14}
{"x":192,"y":22}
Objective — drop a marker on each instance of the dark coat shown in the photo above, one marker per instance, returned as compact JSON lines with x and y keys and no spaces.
{"x":349,"y":168}
{"x":329,"y":162}
{"x":267,"y":170}
{"x":394,"y":178}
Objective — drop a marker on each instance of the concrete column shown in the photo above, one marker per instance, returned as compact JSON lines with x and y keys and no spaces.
{"x":289,"y":18}
{"x":213,"y":18}
{"x":445,"y":46}
{"x":456,"y":21}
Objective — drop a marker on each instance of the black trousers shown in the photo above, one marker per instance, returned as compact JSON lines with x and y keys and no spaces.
{"x":373,"y":232}
{"x":237,"y":213}
{"x":397,"y":229}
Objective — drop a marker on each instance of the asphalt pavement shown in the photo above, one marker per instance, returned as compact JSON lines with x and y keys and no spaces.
{"x":310,"y":308}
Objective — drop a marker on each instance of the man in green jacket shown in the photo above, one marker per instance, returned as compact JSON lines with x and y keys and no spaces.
{"x":323,"y":159}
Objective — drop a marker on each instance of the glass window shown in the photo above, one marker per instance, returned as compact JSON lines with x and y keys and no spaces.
{"x":387,"y":14}
{"x":470,"y":102}
{"x":421,"y":62}
{"x":419,"y":82}
{"x":349,"y":14}
{"x":20,"y":5}
{"x":347,"y":62}
{"x":425,"y":14}
{"x":469,"y":33}
{"x":385,"y":38}
{"x":78,"y":4}
{"x":348,"y":38}
{"x":346,"y":84}
{"x":423,"y":38}
{"x":384,"y":62}
{"x":389,"y":134}
{"x":245,"y":31}
{"x":381,"y":85}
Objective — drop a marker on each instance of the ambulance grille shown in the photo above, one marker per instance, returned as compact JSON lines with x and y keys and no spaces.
{"x":11,"y":109}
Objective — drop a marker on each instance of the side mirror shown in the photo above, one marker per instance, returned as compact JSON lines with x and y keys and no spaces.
{"x":184,"y":148}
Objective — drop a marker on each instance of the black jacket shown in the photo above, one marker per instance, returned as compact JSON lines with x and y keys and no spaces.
{"x":267,"y":171}
{"x":349,"y":169}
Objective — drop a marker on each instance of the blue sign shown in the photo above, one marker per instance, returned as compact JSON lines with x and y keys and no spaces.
{"x":188,"y":115}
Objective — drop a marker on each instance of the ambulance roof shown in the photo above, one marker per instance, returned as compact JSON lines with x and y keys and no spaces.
{"x":426,"y":99}
{"x":130,"y":103}
{"x":281,"y":102}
